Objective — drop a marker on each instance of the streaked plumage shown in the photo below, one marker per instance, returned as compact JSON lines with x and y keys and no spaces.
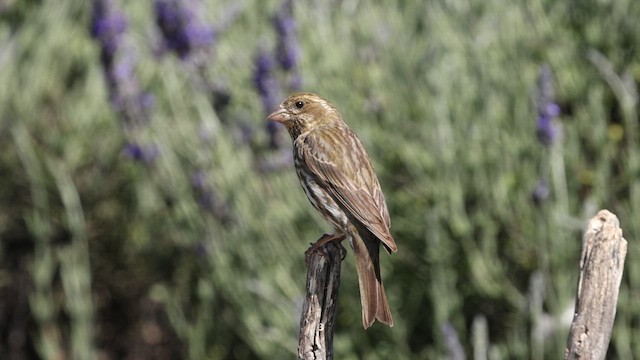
{"x":338,"y":178}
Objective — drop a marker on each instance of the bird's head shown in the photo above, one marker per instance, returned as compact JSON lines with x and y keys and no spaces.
{"x":302,"y":112}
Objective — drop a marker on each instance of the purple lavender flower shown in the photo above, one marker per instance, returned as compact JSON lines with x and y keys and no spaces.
{"x":143,"y":153}
{"x":268,"y":87}
{"x":546,"y":130}
{"x":287,"y":54}
{"x":548,"y":110}
{"x":288,"y":49}
{"x":125,"y":94}
{"x":541,"y":192}
{"x":265,"y":81}
{"x":199,"y":180}
{"x":108,"y":27}
{"x":182,"y":31}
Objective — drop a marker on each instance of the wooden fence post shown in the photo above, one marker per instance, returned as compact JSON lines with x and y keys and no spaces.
{"x":601,"y":265}
{"x":317,"y":322}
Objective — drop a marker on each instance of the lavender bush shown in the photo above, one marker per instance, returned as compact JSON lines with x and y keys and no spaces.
{"x":200,"y":252}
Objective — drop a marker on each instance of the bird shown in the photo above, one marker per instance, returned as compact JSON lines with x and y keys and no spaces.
{"x":338,"y":178}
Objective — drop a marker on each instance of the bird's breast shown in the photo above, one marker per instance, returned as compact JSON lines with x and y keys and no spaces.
{"x":321,"y":199}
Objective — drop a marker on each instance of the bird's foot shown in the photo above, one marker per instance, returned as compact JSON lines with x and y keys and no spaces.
{"x":318,"y":246}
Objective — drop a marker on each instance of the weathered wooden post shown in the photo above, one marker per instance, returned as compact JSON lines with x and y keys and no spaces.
{"x":601,"y":265}
{"x":319,"y":310}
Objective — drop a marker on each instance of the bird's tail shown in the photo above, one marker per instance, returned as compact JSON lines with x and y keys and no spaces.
{"x":372,"y":295}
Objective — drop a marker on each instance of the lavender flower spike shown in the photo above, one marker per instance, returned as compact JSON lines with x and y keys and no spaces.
{"x":108,"y":27}
{"x":146,"y":154}
{"x":182,"y":31}
{"x":288,"y":50}
{"x":265,"y":81}
{"x":268,"y":87}
{"x":541,"y":192}
{"x":548,"y":109}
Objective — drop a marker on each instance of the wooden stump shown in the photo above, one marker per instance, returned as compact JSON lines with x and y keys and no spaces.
{"x":319,"y":310}
{"x":601,"y":265}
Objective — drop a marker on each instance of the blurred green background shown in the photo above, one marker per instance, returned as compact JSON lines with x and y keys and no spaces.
{"x":147,"y":211}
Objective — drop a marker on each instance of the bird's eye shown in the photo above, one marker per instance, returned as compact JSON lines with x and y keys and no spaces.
{"x":299,"y":104}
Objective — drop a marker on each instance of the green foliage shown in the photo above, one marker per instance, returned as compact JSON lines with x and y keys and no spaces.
{"x":113,"y":257}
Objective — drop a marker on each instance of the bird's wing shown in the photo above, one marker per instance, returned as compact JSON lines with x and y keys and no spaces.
{"x":344,"y":169}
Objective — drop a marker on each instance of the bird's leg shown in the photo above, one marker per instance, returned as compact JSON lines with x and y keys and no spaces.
{"x":325,"y":239}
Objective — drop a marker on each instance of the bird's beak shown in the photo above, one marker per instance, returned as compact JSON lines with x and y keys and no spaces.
{"x":280,"y":115}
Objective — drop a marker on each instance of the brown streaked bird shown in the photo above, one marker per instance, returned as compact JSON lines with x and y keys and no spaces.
{"x":338,"y":178}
